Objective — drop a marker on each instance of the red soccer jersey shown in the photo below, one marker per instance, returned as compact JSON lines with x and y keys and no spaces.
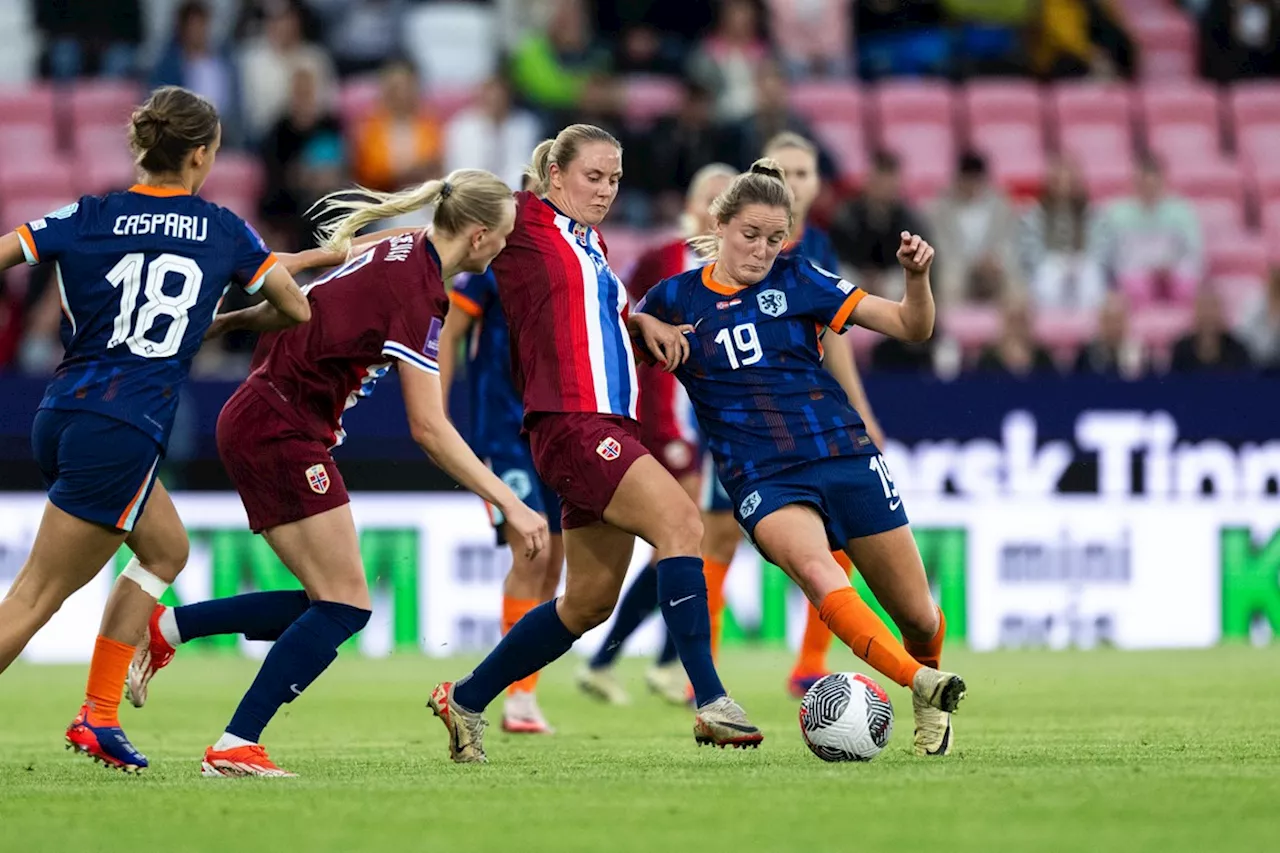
{"x":665,"y":412}
{"x":384,"y":305}
{"x":567,"y":312}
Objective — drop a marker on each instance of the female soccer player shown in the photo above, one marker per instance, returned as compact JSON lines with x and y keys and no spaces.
{"x":496,"y":418}
{"x":573,"y":363}
{"x":668,"y":431}
{"x":140,"y":274}
{"x":384,"y":306}
{"x":791,"y":450}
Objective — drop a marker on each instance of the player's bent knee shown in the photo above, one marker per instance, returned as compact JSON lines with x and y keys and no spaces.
{"x":682,"y":531}
{"x":919,"y":624}
{"x":818,"y":577}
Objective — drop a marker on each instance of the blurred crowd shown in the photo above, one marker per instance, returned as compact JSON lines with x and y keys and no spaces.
{"x":391,"y":92}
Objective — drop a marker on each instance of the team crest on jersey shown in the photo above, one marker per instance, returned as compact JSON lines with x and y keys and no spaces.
{"x":318,"y":479}
{"x":580,"y":233}
{"x":749,"y":505}
{"x":772,"y":302}
{"x":609,"y":449}
{"x":728,"y":304}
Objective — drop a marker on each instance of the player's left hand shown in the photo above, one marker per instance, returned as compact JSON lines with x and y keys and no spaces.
{"x":915,"y":255}
{"x":665,"y":342}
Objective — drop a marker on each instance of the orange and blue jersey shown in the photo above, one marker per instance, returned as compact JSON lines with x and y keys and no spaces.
{"x":755,"y":374}
{"x":496,"y":411}
{"x":140,"y":275}
{"x":567,"y":315}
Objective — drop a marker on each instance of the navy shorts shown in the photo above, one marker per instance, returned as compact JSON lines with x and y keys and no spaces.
{"x":854,"y":495}
{"x":714,"y":496}
{"x":96,"y":468}
{"x":515,"y":468}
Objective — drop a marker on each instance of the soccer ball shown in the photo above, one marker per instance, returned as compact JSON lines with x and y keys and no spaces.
{"x":846,"y":716}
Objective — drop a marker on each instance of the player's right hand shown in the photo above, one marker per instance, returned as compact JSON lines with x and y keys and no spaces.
{"x":915,"y":255}
{"x":217,"y":328}
{"x":530,"y":526}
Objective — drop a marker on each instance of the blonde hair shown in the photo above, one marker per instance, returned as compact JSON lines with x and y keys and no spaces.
{"x":789,"y":139}
{"x":765,"y":183}
{"x":561,"y":152}
{"x":689,"y":222}
{"x":463,"y":197}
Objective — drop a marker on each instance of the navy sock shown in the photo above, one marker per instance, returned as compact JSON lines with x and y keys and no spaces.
{"x":669,"y":653}
{"x":682,"y":593}
{"x":257,"y":615}
{"x":638,"y":602}
{"x":532,"y":643}
{"x":303,"y":651}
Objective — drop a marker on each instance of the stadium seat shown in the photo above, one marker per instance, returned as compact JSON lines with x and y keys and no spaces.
{"x":1237,"y":292}
{"x":1258,"y":143}
{"x":1064,"y":332}
{"x":469,"y":53}
{"x":1181,"y":119}
{"x":97,"y":174}
{"x":236,"y":174}
{"x":1103,"y":151}
{"x":913,"y":102}
{"x":972,"y":326}
{"x":100,"y":140}
{"x":18,"y":140}
{"x":356,"y":99}
{"x":649,"y":97}
{"x":828,"y":100}
{"x":28,"y":208}
{"x":1001,"y":102}
{"x":1254,"y":102}
{"x":844,"y":140}
{"x":97,"y":102}
{"x":927,"y":155}
{"x":1220,"y":216}
{"x":1239,"y":255}
{"x":1015,"y":154}
{"x":1206,"y":179}
{"x":1166,"y":44}
{"x":1271,"y":216}
{"x":1173,"y":142}
{"x":1158,"y":326}
{"x":27,"y":105}
{"x":39,"y":173}
{"x":1076,"y":104}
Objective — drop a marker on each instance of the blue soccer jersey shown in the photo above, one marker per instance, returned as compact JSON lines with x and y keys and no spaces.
{"x":815,"y":247}
{"x":755,"y":373}
{"x":497,"y":411}
{"x":140,"y":275}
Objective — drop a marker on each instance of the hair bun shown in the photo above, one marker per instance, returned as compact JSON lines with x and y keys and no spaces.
{"x":769,"y":167}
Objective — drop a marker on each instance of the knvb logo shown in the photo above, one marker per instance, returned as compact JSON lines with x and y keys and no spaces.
{"x":772,"y":302}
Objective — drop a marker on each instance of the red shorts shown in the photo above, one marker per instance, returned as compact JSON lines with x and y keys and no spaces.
{"x":281,"y":474}
{"x":583,"y":456}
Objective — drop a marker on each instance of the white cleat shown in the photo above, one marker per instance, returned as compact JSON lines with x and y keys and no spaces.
{"x":601,"y":684}
{"x":466,"y":728}
{"x":938,"y":689}
{"x":722,"y":722}
{"x":521,"y":715}
{"x":934,"y":735}
{"x":669,"y":682}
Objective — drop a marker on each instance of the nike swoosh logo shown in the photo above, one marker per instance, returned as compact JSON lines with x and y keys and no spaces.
{"x":893,"y":505}
{"x":699,"y":323}
{"x":678,"y":601}
{"x":295,"y":689}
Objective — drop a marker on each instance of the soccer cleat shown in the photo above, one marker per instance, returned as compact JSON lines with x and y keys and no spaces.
{"x":241,"y":761}
{"x":466,"y":728}
{"x":933,"y":728}
{"x":522,"y":716}
{"x":150,"y":658}
{"x":722,"y":723}
{"x":106,"y":745}
{"x":799,"y":683}
{"x":669,"y":682}
{"x":601,"y":684}
{"x":941,"y":690}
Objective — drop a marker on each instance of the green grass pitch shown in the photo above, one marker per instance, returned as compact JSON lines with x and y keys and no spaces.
{"x":1094,"y":751}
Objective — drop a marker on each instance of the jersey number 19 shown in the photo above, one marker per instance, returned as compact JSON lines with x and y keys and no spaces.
{"x":743,"y":340}
{"x":128,"y":275}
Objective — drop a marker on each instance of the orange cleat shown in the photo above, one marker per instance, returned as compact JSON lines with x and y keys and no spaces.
{"x":106,"y":745}
{"x":240,"y":761}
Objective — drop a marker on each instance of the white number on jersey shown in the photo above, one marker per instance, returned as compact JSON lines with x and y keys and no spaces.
{"x":346,"y":269}
{"x":886,"y":481}
{"x":744,"y":340}
{"x":128,"y":274}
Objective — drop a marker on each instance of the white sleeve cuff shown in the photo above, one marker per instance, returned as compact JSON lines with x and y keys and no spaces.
{"x":417,"y":359}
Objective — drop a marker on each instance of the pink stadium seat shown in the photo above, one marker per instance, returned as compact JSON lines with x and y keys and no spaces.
{"x":100,"y":140}
{"x":235,"y":174}
{"x":18,"y":140}
{"x":1179,"y":141}
{"x":1258,"y":143}
{"x":972,"y":326}
{"x":1206,"y":179}
{"x":27,"y":208}
{"x":356,"y":99}
{"x":915,"y":102}
{"x":1240,"y":255}
{"x":1254,"y":102}
{"x":1271,"y":216}
{"x":1265,"y":181}
{"x":828,"y":100}
{"x":1001,"y":102}
{"x":927,"y":155}
{"x":647,"y":98}
{"x":1220,"y":216}
{"x":1073,"y":104}
{"x":844,"y":140}
{"x":1015,"y":154}
{"x":1237,"y":292}
{"x":102,"y":102}
{"x":1103,"y":151}
{"x":43,"y":173}
{"x":444,"y":103}
{"x":27,"y":104}
{"x":1108,"y":179}
{"x":243,"y":205}
{"x":1158,"y":326}
{"x":1064,"y":331}
{"x":97,"y":174}
{"x":1179,"y":101}
{"x":1166,"y":44}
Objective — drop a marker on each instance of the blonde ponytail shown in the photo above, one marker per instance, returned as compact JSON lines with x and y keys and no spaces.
{"x":465,"y":196}
{"x":561,"y":152}
{"x":539,"y":169}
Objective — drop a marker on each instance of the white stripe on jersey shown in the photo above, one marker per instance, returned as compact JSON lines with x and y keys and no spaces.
{"x":62,"y":294}
{"x":624,"y":302}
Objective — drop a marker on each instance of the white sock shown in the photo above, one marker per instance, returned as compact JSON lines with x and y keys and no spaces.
{"x":168,"y":624}
{"x":230,"y":741}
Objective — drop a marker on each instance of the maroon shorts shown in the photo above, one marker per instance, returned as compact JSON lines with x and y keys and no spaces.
{"x":281,"y":474}
{"x":583,"y":456}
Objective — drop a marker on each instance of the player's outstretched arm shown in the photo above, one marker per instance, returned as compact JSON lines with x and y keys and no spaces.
{"x":11,"y":251}
{"x":286,"y":305}
{"x":434,"y":433}
{"x":910,"y":319}
{"x":457,"y":323}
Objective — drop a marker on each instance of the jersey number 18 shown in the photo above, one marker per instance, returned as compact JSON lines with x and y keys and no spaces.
{"x":128,"y":274}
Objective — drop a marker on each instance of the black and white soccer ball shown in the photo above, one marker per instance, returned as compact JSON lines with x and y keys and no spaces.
{"x":846,"y":716}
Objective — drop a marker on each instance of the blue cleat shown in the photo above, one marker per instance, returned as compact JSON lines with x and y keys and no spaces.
{"x":107,"y":745}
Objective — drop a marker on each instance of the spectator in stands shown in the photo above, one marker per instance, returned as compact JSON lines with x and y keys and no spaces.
{"x":492,"y":134}
{"x":812,"y":39}
{"x":1080,"y":38}
{"x":1112,"y":352}
{"x":268,"y":63}
{"x":773,"y":115}
{"x":399,"y":143}
{"x":90,"y":37}
{"x":866,"y":230}
{"x":1055,"y":232}
{"x":677,"y":146}
{"x":729,"y":58}
{"x":975,"y":232}
{"x":1209,"y":346}
{"x":1150,"y":246}
{"x":363,"y":35}
{"x":1016,"y":352}
{"x":655,"y":36}
{"x":1260,"y":329}
{"x":1240,"y":39}
{"x":304,"y":158}
{"x":194,"y":62}
{"x":558,"y":68}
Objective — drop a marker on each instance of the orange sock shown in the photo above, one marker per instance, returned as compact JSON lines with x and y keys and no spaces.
{"x":817,"y":636}
{"x":861,"y":630}
{"x":513,"y":610}
{"x":715,"y":573}
{"x":930,"y":653}
{"x":107,"y":672}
